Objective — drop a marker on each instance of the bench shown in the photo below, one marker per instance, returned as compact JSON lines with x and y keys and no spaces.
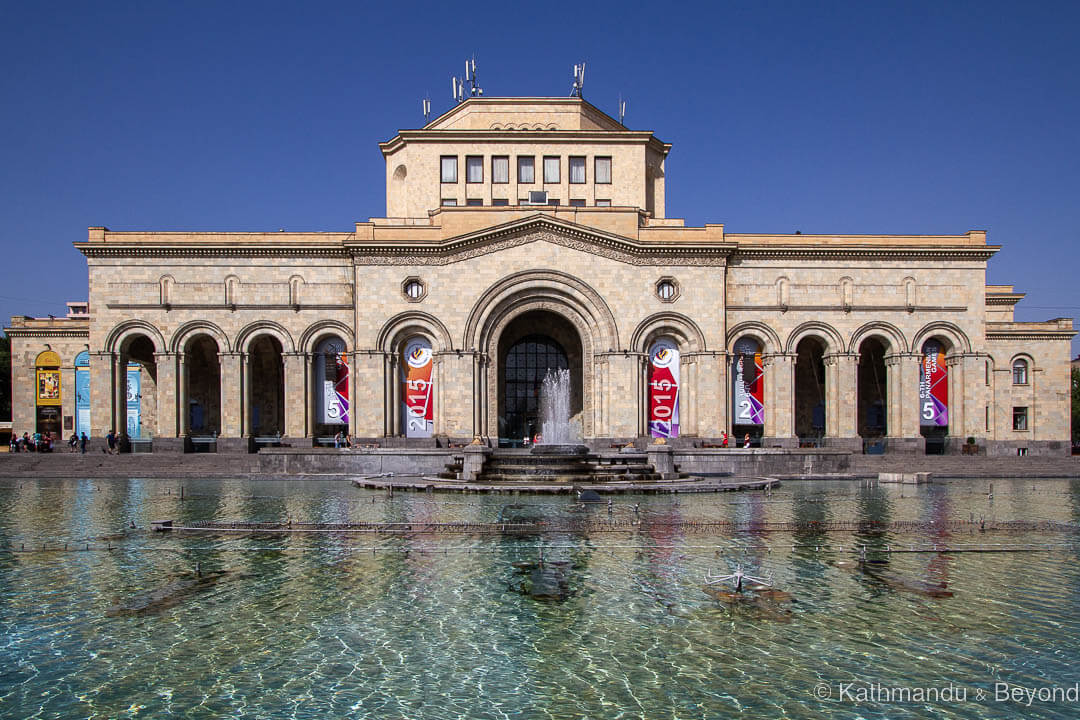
{"x":141,"y":444}
{"x":203,"y":443}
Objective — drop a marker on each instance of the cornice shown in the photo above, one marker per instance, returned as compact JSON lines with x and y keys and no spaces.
{"x":894,"y":252}
{"x":42,"y":332}
{"x":1030,"y":334}
{"x":220,"y":306}
{"x":186,"y":250}
{"x":541,"y":227}
{"x":848,"y":308}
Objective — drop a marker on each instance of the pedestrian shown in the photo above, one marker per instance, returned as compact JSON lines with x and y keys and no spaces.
{"x":82,"y":443}
{"x":746,"y":440}
{"x":111,"y":440}
{"x":72,"y":442}
{"x":337,"y":440}
{"x":13,"y":443}
{"x":26,"y":444}
{"x":348,"y":440}
{"x":724,"y":440}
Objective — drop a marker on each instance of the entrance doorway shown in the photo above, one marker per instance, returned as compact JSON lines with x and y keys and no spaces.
{"x":529,"y":347}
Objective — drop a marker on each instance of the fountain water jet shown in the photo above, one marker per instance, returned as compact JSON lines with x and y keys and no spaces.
{"x":556,"y":434}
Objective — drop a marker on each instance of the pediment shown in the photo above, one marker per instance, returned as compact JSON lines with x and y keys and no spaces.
{"x":543,"y":228}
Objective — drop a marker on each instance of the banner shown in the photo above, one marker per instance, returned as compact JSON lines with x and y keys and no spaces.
{"x":748,"y":384}
{"x":48,"y":384}
{"x":664,"y":389}
{"x":134,"y":421}
{"x":82,"y":393}
{"x":333,"y":374}
{"x":933,"y":386}
{"x":419,"y":410}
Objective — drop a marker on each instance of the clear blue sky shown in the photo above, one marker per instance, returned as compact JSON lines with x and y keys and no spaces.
{"x":907,"y":117}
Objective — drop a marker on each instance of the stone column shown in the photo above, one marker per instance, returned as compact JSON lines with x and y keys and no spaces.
{"x":477,"y":391}
{"x":246,"y":429}
{"x":723,"y":393}
{"x":842,"y":401}
{"x":780,"y":392}
{"x":231,"y":398}
{"x":166,"y":395}
{"x":395,"y":397}
{"x":311,"y":393}
{"x":119,"y":413}
{"x":958,"y":423}
{"x":183,"y":411}
{"x":295,"y":397}
{"x":902,"y":370}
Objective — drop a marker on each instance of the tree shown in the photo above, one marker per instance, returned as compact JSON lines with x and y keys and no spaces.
{"x":1076,"y":404}
{"x":5,"y":379}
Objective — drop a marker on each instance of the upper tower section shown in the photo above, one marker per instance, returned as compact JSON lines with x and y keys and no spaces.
{"x":506,"y":151}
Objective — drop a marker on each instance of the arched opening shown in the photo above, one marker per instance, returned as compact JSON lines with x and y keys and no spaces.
{"x":203,"y":385}
{"x":934,"y":394}
{"x":747,"y":390}
{"x":331,"y":391}
{"x":872,"y":390}
{"x":267,"y":393}
{"x":417,"y":398}
{"x":663,"y":382}
{"x":810,"y":391}
{"x":140,"y":404}
{"x":532,"y":344}
{"x":82,"y":393}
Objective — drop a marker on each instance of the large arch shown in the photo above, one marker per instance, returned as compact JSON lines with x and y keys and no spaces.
{"x":671,"y":324}
{"x":188,"y":330}
{"x":318,"y":330}
{"x":533,"y":287}
{"x":827,"y":334}
{"x":957,"y":338}
{"x":407,"y":324}
{"x":122,"y":332}
{"x":252,"y":331}
{"x":892,"y":337}
{"x":764,"y":334}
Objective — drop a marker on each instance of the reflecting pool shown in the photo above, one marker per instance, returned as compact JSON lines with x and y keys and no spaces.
{"x":615,"y":624}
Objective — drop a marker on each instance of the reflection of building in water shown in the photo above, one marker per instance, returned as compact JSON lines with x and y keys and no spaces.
{"x":523,"y":234}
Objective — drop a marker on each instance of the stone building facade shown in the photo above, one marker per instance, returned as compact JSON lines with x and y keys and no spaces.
{"x":530,"y":234}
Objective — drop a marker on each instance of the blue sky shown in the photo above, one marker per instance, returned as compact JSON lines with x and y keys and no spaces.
{"x":863,"y":117}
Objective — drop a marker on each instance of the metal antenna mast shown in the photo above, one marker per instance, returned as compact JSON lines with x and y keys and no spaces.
{"x":457,"y":85}
{"x":622,"y":109}
{"x":579,"y":80}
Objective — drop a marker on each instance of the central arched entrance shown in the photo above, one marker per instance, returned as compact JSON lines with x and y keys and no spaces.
{"x":532,"y":344}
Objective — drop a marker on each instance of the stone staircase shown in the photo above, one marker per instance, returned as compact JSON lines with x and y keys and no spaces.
{"x":946,"y":466}
{"x":100,"y":465}
{"x":520,"y":466}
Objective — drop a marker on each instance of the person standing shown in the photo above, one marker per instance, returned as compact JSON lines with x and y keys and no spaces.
{"x":111,"y":440}
{"x":82,"y":443}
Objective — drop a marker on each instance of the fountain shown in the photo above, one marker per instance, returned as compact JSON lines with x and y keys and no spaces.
{"x":556,"y":434}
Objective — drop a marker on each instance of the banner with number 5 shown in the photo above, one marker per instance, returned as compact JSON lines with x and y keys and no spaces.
{"x":933,"y":386}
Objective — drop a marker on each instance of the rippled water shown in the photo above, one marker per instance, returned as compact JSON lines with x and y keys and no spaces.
{"x":437,"y":626}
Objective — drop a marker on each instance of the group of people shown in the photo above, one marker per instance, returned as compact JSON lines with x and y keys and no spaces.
{"x":342,"y":440}
{"x":724,"y":440}
{"x":38,"y":442}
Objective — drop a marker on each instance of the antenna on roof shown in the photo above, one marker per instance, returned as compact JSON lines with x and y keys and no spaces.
{"x":579,"y":80}
{"x":425,"y":106}
{"x":622,"y":109}
{"x":457,"y":86}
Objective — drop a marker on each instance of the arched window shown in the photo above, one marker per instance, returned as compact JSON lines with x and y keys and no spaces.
{"x":1020,"y":372}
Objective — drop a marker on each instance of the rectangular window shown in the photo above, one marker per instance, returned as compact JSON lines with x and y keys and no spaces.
{"x":987,"y":373}
{"x":551,"y":169}
{"x":500,"y":169}
{"x":449,"y":202}
{"x":603,"y":171}
{"x":1020,"y":368}
{"x":553,"y":202}
{"x":603,"y":203}
{"x":1020,"y":418}
{"x":499,"y":202}
{"x":987,"y":418}
{"x":577,"y":170}
{"x":526,"y":169}
{"x":576,"y":203}
{"x":449,"y":169}
{"x":474,"y":202}
{"x":474,"y":169}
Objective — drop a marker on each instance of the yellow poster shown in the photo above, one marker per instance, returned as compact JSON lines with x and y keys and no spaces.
{"x":48,"y":384}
